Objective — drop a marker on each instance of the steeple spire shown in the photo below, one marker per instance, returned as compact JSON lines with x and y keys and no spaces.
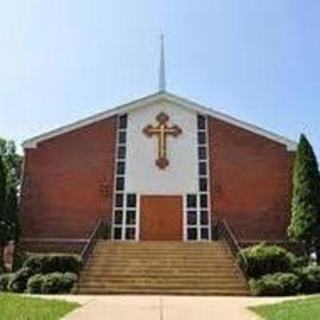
{"x":162,"y":67}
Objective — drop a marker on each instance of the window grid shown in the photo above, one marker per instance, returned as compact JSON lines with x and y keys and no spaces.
{"x":124,"y":215}
{"x":198,"y":218}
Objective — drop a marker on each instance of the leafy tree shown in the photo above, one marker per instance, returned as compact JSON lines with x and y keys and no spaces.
{"x":305,"y":217}
{"x":12,"y":161}
{"x":10,"y":170}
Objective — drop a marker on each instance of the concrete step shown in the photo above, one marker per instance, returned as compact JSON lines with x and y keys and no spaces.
{"x":162,"y":268}
{"x":152,"y":274}
{"x":151,"y":282}
{"x":163,"y":285}
{"x":146,"y":291}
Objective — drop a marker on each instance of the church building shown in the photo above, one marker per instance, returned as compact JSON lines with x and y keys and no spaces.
{"x":158,"y":168}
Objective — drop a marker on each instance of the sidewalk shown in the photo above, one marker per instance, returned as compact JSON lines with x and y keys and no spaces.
{"x":163,"y":307}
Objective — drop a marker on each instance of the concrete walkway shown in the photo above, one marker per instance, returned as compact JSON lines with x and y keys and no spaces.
{"x":163,"y":307}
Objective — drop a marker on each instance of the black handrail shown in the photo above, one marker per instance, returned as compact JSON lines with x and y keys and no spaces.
{"x":92,"y":241}
{"x":227,"y":235}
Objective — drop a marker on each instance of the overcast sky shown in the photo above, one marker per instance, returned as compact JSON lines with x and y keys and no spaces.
{"x":61,"y":60}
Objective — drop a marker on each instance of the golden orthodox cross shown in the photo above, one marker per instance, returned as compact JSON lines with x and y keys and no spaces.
{"x":162,"y":131}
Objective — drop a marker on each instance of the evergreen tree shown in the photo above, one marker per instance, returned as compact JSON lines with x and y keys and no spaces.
{"x":12,"y":213}
{"x":4,"y":232}
{"x":305,"y":214}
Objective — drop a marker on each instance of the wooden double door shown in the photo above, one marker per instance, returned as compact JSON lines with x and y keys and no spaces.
{"x":161,"y":217}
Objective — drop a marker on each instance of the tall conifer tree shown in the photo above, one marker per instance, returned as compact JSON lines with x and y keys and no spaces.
{"x":3,"y":209}
{"x":305,"y":218}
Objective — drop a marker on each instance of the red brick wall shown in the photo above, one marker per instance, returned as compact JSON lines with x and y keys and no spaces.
{"x":251,"y":185}
{"x":68,"y":182}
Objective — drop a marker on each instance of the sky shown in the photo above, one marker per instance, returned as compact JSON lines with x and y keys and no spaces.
{"x":62,"y":60}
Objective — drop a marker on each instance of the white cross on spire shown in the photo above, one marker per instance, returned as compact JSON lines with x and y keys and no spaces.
{"x":162,"y":67}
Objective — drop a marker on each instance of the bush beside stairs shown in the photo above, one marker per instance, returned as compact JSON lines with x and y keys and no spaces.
{"x":162,"y":268}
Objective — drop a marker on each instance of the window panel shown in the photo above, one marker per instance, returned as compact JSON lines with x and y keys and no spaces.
{"x":120,"y":184}
{"x":121,"y":152}
{"x":118,"y":215}
{"x":122,"y":137}
{"x":203,"y":201}
{"x":203,"y":184}
{"x":201,"y":122}
{"x":202,"y":168}
{"x":192,"y":234}
{"x":191,"y":201}
{"x":191,"y":217}
{"x":201,"y":137}
{"x":131,"y":200}
{"x":204,"y":217}
{"x":121,"y":168}
{"x":130,"y":217}
{"x":117,"y":233}
{"x":130,"y":233}
{"x":202,"y":153}
{"x":123,"y":120}
{"x":204,"y":234}
{"x":119,"y":200}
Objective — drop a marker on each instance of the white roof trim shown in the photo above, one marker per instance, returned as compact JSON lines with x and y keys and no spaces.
{"x":32,"y":143}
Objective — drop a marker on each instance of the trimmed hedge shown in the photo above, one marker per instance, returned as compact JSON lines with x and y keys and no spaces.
{"x":53,"y":263}
{"x":53,"y":283}
{"x":34,"y":284}
{"x":278,"y":284}
{"x":310,"y":279}
{"x":265,"y":259}
{"x":58,"y":282}
{"x":4,"y":281}
{"x":18,"y":281}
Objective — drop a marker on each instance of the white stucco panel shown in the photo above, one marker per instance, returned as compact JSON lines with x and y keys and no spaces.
{"x":142,"y":175}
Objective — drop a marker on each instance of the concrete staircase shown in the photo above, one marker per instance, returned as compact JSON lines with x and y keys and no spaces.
{"x":161,"y":268}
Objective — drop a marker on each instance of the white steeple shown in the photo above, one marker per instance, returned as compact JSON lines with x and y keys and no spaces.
{"x":162,"y":67}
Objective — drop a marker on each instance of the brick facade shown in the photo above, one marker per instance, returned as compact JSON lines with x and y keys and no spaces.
{"x":68,"y":182}
{"x":251,"y":182}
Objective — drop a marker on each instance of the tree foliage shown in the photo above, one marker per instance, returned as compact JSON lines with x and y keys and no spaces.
{"x":10,"y":170}
{"x":305,"y":217}
{"x":3,"y":207}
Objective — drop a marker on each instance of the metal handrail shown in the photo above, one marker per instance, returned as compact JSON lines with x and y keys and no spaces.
{"x":225,"y":232}
{"x":92,"y":241}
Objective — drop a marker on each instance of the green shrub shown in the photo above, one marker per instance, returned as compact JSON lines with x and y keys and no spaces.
{"x":278,"y":284}
{"x":310,"y":279}
{"x":58,"y":282}
{"x":265,"y":286}
{"x":69,"y":280}
{"x":35,"y":283}
{"x":4,"y":281}
{"x":18,"y":281}
{"x":265,"y":259}
{"x":53,"y":263}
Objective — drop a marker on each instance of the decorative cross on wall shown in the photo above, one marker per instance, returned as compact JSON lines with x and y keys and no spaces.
{"x":162,"y":131}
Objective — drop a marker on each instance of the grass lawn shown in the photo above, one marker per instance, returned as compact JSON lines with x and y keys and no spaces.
{"x":16,"y":307}
{"x":303,"y":309}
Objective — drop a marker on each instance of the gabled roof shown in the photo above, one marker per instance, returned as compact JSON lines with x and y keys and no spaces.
{"x":150,"y":99}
